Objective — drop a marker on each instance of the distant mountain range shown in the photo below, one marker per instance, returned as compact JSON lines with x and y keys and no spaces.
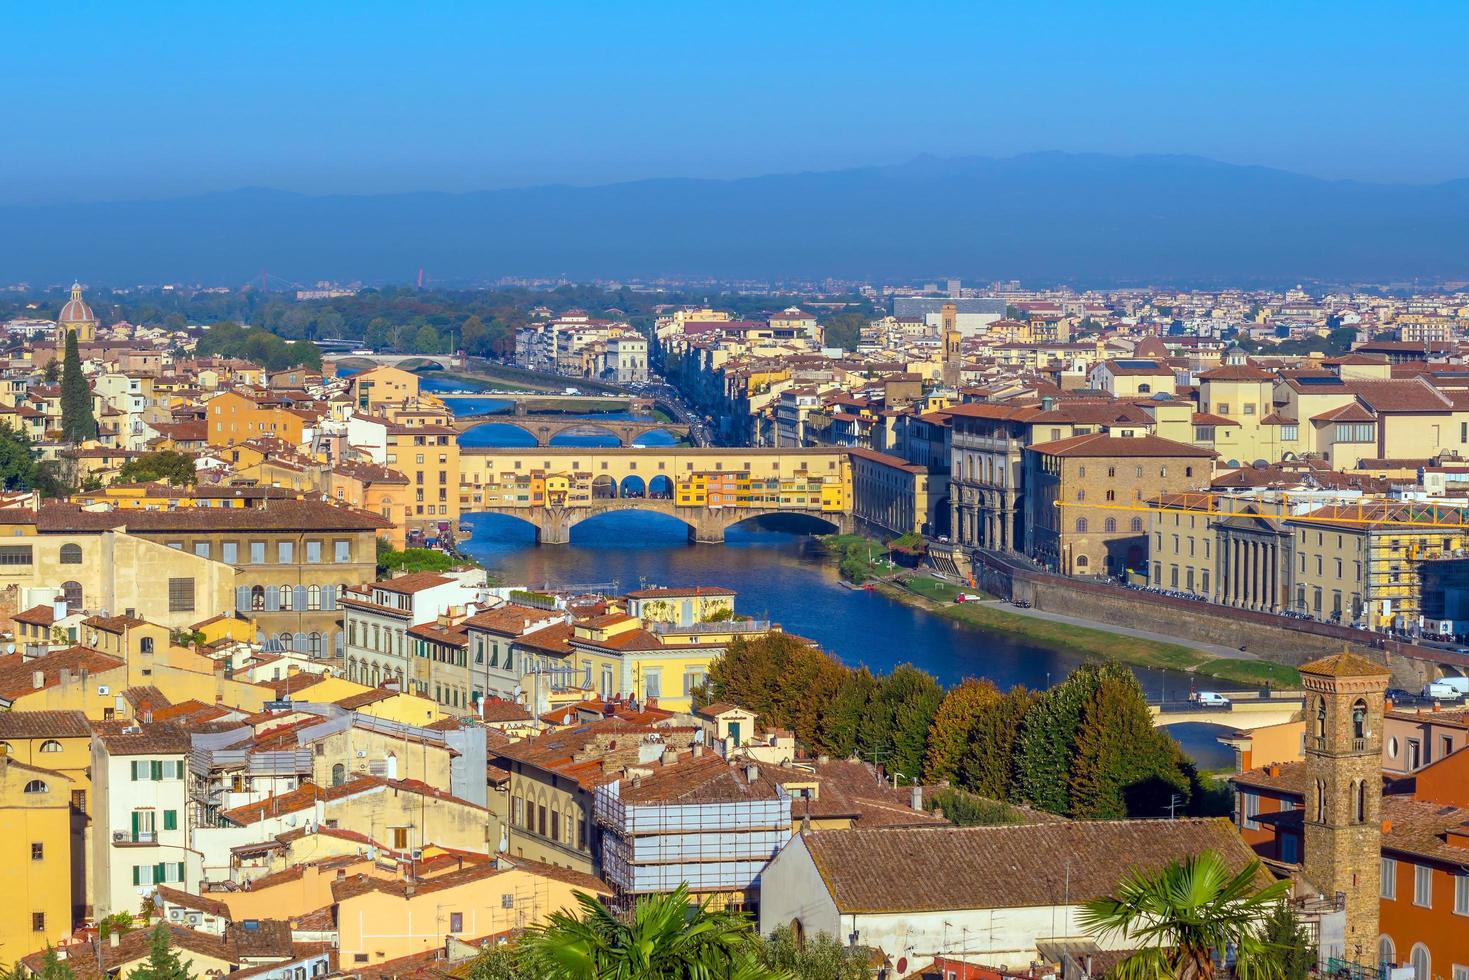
{"x":1045,"y":217}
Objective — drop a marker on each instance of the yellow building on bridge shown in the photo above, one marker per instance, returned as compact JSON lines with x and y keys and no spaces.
{"x":709,"y":489}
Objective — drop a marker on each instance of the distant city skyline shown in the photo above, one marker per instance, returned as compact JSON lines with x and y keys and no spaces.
{"x":151,"y":101}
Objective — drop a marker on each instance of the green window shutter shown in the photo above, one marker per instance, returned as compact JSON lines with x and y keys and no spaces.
{"x":158,"y":873}
{"x":134,"y":767}
{"x":170,"y":820}
{"x":137,"y":876}
{"x":136,"y":815}
{"x":157,"y":768}
{"x":178,"y":769}
{"x":181,"y":872}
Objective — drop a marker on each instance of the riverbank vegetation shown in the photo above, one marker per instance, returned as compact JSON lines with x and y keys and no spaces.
{"x":1085,"y":748}
{"x":1097,"y":643}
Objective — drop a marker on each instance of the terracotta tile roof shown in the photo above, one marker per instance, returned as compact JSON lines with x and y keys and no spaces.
{"x":1282,"y":777}
{"x":1105,"y":446}
{"x":667,"y":592}
{"x":1236,"y":372}
{"x":188,"y":900}
{"x":281,"y":515}
{"x":42,"y":615}
{"x":512,"y":620}
{"x":1414,"y":395}
{"x":1345,"y":665}
{"x":17,"y":674}
{"x":133,"y":946}
{"x":1026,"y":865}
{"x":555,"y":638}
{"x":1427,"y":829}
{"x":128,"y":738}
{"x":44,"y":724}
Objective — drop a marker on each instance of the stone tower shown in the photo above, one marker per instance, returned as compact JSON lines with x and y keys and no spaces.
{"x":1343,"y":800}
{"x":953,"y":360}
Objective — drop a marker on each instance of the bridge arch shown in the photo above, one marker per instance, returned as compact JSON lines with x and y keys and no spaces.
{"x":579,"y":430}
{"x":632,"y":486}
{"x":817,"y":523}
{"x":660,"y":487}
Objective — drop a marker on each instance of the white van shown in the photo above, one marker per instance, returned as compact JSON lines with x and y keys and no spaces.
{"x":1208,"y":699}
{"x":1460,"y":684}
{"x":1442,"y":691}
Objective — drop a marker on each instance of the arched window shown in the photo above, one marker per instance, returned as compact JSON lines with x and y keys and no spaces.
{"x":36,"y":786}
{"x":313,"y":644}
{"x":1081,"y":525}
{"x":1144,"y":389}
{"x":1137,"y":524}
{"x":50,"y":745}
{"x":72,"y":593}
{"x":1082,"y":561}
{"x":1111,"y":495}
{"x":1110,"y":524}
{"x":339,"y":774}
{"x":257,"y":598}
{"x":313,"y":597}
{"x":1387,"y":953}
{"x":71,"y":554}
{"x":1081,"y":495}
{"x":1320,"y":717}
{"x":1111,"y":471}
{"x":1422,"y":964}
{"x":1359,"y":719}
{"x":287,"y":597}
{"x":285,"y":639}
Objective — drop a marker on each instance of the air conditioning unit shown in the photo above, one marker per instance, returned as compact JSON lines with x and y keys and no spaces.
{"x":362,"y":753}
{"x":103,"y":690}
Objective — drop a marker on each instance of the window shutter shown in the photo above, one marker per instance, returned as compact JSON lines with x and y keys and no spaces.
{"x":300,"y":597}
{"x":272,"y":600}
{"x":178,"y":768}
{"x":181,"y":872}
{"x":137,"y":873}
{"x":170,"y":820}
{"x":133,"y":767}
{"x":329,"y":598}
{"x":158,"y":873}
{"x":158,"y":769}
{"x":135,"y":824}
{"x":242,"y":599}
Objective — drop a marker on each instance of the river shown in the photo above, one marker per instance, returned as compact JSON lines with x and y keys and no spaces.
{"x":780,"y":575}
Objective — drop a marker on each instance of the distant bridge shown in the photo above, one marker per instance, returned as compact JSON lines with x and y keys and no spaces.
{"x":1246,"y":710}
{"x":706,"y":524}
{"x":446,"y":361}
{"x":543,"y":429}
{"x":710,"y":490}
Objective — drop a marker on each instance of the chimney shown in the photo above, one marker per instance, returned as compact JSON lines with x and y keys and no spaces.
{"x":752,"y":773}
{"x":38,"y":679}
{"x":916,"y":797}
{"x":698,"y":751}
{"x":670,"y":756}
{"x":1387,"y":826}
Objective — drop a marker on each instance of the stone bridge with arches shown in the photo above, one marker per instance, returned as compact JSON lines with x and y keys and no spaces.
{"x":555,"y":488}
{"x":544,"y":429}
{"x":706,"y":525}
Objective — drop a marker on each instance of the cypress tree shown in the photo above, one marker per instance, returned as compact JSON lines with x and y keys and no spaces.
{"x":77,"y":422}
{"x":1047,"y":742}
{"x":163,"y":962}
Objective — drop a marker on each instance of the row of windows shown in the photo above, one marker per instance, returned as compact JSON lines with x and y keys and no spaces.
{"x":1423,"y":886}
{"x":569,"y":829}
{"x":1109,"y":526}
{"x":285,"y":551}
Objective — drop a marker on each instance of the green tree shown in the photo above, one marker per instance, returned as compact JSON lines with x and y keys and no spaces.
{"x":843,"y":330}
{"x":163,"y":962}
{"x":1123,"y":765}
{"x":1047,"y":743}
{"x":426,"y":341}
{"x":498,"y":962}
{"x":52,"y":967}
{"x":379,"y":333}
{"x":818,"y":957}
{"x":953,"y":727}
{"x":167,"y":464}
{"x":967,"y":809}
{"x":474,"y":337}
{"x":894,"y":732}
{"x":52,"y":374}
{"x":1180,"y":917}
{"x":390,"y":560}
{"x":989,"y":764}
{"x":1285,"y":933}
{"x":844,"y":714}
{"x":664,"y":938}
{"x":77,"y":422}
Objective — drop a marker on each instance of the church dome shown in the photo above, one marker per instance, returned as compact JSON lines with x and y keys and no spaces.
{"x":76,"y":309}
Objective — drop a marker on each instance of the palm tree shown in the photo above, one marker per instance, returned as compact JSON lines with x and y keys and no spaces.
{"x":1183,"y":915}
{"x":663,"y":939}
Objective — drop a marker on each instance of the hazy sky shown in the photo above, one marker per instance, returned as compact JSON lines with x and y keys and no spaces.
{"x":139,"y":99}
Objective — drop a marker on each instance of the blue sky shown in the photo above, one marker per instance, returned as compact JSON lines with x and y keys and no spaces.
{"x":138,"y":99}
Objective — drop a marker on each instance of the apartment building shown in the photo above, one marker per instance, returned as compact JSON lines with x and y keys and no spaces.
{"x":377,"y":618}
{"x":140,"y":814}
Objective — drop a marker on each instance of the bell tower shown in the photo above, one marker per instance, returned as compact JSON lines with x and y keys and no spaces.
{"x":1343,"y":797}
{"x":953,"y":359}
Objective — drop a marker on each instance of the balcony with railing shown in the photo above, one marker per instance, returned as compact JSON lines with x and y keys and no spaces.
{"x":724,"y":626}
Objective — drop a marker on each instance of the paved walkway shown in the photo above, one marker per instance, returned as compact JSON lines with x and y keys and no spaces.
{"x":1222,"y":652}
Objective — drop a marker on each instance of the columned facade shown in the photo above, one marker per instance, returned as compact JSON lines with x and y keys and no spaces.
{"x":1254,"y":564}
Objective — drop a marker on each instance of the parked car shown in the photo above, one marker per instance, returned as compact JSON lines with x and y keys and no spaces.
{"x":967,"y":597}
{"x":1209,"y":699}
{"x":1398,"y":695}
